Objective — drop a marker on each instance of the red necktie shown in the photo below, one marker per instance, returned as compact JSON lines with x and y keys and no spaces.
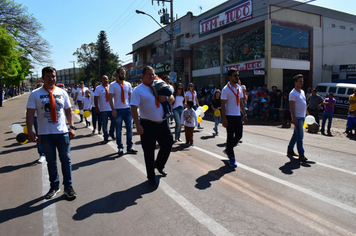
{"x":236,"y":95}
{"x":156,"y":99}
{"x":107,"y":93}
{"x":52,"y":104}
{"x":122,"y":91}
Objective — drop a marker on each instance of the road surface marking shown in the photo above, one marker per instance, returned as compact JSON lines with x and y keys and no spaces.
{"x":50,"y":223}
{"x":285,"y":183}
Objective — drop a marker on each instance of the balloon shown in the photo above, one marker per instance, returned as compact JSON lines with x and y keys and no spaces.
{"x":305,"y":124}
{"x":217,"y":113}
{"x":205,"y":107}
{"x":89,"y":118}
{"x":21,"y":138}
{"x":198,"y":112}
{"x":76,"y":111}
{"x":86,"y":114}
{"x":310,"y":120}
{"x":199,"y":119}
{"x":25,"y":129}
{"x":81,"y":112}
{"x":201,"y":109}
{"x":202,"y":115}
{"x":16,"y":128}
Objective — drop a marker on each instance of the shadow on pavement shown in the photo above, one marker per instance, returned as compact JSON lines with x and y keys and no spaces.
{"x":23,"y":147}
{"x":179,"y":147}
{"x":207,"y":137}
{"x":114,"y":202}
{"x":94,"y":161}
{"x":204,"y":182}
{"x":293,"y":165}
{"x":7,"y":169}
{"x":27,"y":208}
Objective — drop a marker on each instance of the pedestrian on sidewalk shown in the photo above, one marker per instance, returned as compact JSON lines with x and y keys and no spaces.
{"x":178,"y":108}
{"x":329,"y":104}
{"x":119,"y":98}
{"x":151,"y":127}
{"x":298,"y":109}
{"x":231,"y":108}
{"x":102,"y":107}
{"x":53,"y":107}
{"x":190,"y":120}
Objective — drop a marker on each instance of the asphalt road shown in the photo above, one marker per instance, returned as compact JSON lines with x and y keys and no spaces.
{"x":267,"y":194}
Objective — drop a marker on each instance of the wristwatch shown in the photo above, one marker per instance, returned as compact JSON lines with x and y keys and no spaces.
{"x":72,"y":127}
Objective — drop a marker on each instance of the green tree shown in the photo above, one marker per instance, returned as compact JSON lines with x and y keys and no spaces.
{"x":8,"y":55}
{"x":25,"y":29}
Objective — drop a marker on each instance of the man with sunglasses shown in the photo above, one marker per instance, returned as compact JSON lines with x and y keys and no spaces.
{"x":231,"y":108}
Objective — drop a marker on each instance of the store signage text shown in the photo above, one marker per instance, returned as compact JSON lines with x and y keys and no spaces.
{"x":235,"y":14}
{"x":252,"y":65}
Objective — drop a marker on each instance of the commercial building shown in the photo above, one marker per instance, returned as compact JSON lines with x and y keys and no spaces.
{"x":269,"y":41}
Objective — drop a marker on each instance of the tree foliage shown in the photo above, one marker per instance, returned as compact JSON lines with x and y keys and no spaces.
{"x":97,"y":59}
{"x":8,"y":55}
{"x":25,"y":29}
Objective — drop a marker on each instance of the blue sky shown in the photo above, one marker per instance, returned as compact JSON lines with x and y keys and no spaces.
{"x":70,"y":23}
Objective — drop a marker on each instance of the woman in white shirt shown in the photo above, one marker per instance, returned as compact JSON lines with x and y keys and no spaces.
{"x":178,"y":108}
{"x":191,"y":95}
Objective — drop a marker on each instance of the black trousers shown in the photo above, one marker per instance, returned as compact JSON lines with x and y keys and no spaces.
{"x":153,"y":132}
{"x":234,"y":133}
{"x":315,"y":113}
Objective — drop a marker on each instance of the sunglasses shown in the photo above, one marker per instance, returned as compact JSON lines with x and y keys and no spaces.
{"x":180,"y":88}
{"x":236,"y":75}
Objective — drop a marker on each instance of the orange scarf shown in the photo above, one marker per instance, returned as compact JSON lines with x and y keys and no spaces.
{"x":192,"y":95}
{"x":236,"y":94}
{"x":122,"y":91}
{"x":52,"y":104}
{"x":82,"y":92}
{"x":107,"y":93}
{"x":156,"y":99}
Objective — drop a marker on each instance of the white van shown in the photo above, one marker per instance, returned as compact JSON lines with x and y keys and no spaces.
{"x":341,"y":92}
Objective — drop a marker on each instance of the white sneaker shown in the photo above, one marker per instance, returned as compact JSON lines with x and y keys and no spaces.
{"x":41,"y":159}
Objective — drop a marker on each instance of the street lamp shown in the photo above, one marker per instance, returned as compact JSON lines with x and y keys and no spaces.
{"x":170,"y":35}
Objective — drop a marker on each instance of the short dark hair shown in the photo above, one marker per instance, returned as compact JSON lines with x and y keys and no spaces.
{"x":48,"y":69}
{"x":295,"y":78}
{"x":190,"y":103}
{"x":121,"y":68}
{"x":146,"y":68}
{"x":231,"y":71}
{"x":165,"y":77}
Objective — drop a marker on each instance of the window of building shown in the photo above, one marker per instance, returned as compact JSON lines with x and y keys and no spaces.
{"x":180,"y":41}
{"x":342,"y":27}
{"x":167,"y":47}
{"x":206,"y":55}
{"x":153,"y":52}
{"x":351,"y":29}
{"x":290,"y":43}
{"x":333,"y":25}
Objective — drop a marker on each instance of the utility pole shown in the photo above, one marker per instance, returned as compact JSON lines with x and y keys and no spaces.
{"x":75,"y":77}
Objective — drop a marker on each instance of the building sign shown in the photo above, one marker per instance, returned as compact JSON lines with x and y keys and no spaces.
{"x":176,"y":29}
{"x":162,"y":67}
{"x":259,"y":72}
{"x":178,"y":65}
{"x":239,"y":12}
{"x":250,"y":65}
{"x":347,"y":68}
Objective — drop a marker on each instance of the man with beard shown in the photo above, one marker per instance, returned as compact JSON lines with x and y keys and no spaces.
{"x":102,"y":107}
{"x":120,"y":97}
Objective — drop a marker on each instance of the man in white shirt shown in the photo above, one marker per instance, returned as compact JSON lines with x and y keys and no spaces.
{"x":231,"y":108}
{"x":119,"y":98}
{"x":298,"y":109}
{"x":151,"y":127}
{"x":79,"y":95}
{"x":102,"y":107}
{"x":53,"y":107}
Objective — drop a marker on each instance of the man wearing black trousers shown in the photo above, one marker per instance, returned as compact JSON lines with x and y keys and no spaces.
{"x":151,"y":127}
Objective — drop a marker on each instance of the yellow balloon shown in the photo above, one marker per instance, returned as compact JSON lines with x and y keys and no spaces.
{"x":86,"y":114}
{"x":76,"y":111}
{"x":217,"y":113}
{"x":199,"y":119}
{"x":25,"y":129}
{"x":25,"y":141}
{"x":205,"y":107}
{"x":305,"y":124}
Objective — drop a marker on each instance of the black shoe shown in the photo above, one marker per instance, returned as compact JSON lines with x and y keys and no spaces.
{"x":330,"y":134}
{"x":52,"y":192}
{"x":105,"y":141}
{"x":99,"y":132}
{"x":93,"y":132}
{"x":132,"y":151}
{"x":112,"y":136}
{"x":152,"y":182}
{"x":69,"y":191}
{"x":322,"y":132}
{"x":302,"y":158}
{"x":120,"y":152}
{"x":162,"y":171}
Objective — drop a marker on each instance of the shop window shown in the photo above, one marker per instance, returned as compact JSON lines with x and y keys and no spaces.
{"x":167,"y":47}
{"x":206,"y":56}
{"x":180,"y":41}
{"x":342,"y":27}
{"x":244,"y":47}
{"x":333,"y":25}
{"x":289,"y":43}
{"x":153,"y":52}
